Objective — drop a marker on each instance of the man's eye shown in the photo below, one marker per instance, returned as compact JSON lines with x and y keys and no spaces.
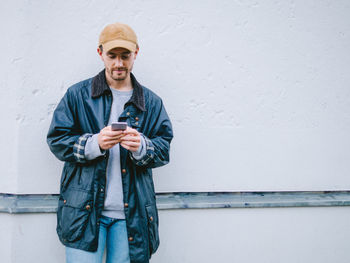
{"x":125,"y":57}
{"x":111,"y":56}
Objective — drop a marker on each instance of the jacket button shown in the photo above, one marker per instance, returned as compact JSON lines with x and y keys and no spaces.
{"x":137,"y":123}
{"x":126,"y":205}
{"x":87,"y":207}
{"x":64,"y":201}
{"x":123,"y":171}
{"x":151,"y":218}
{"x":131,"y":238}
{"x":137,"y":118}
{"x":101,"y":190}
{"x":128,"y":113}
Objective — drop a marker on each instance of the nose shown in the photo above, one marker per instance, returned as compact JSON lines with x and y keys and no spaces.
{"x":118,"y":62}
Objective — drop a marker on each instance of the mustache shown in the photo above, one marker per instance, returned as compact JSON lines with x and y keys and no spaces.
{"x":114,"y":69}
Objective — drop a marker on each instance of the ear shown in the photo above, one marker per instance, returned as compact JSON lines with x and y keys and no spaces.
{"x":99,"y":51}
{"x":136,"y":52}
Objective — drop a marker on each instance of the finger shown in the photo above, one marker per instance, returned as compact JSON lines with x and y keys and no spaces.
{"x":108,"y":130}
{"x":130,"y":130}
{"x":111,"y":142}
{"x":111,"y":133}
{"x":129,"y":148}
{"x":112,"y":138}
{"x":125,"y":145}
{"x":117,"y":137}
{"x":107,"y":146}
{"x":106,"y":139}
{"x":131,"y":144}
{"x":132,"y":138}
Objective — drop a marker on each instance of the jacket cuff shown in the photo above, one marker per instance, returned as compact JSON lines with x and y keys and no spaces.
{"x":79,"y":148}
{"x":149,"y":152}
{"x":141,"y":151}
{"x":92,"y":149}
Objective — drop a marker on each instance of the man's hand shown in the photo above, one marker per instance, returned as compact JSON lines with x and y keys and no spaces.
{"x":108,"y":138}
{"x":132,"y":139}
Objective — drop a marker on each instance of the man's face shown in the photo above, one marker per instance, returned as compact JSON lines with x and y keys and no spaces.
{"x":118,"y":62}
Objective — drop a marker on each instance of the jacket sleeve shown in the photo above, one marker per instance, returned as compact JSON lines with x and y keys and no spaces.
{"x":158,"y":143}
{"x":64,"y":137}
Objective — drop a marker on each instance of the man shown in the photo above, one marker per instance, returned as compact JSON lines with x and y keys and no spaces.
{"x":107,"y":196}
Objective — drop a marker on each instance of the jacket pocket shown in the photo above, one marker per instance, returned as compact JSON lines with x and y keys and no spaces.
{"x":73,"y":213}
{"x":152,"y":225}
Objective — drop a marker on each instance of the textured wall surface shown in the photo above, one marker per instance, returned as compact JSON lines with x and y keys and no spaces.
{"x":258,"y":92}
{"x":285,"y":235}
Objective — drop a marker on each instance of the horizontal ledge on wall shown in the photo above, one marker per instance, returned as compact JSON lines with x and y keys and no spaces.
{"x":47,"y":203}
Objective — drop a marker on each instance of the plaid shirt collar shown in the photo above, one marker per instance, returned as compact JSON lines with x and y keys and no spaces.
{"x":99,"y":87}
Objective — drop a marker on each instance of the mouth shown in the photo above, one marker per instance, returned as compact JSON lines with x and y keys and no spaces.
{"x":119,"y":70}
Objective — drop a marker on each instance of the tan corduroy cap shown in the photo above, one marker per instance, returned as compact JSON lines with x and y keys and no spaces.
{"x":118,"y":35}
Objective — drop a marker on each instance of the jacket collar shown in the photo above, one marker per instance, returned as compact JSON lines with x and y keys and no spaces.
{"x":99,"y":86}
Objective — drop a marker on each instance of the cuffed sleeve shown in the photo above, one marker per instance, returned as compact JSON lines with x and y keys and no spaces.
{"x":141,"y":151}
{"x":92,"y":149}
{"x":158,"y":142}
{"x":79,"y":148}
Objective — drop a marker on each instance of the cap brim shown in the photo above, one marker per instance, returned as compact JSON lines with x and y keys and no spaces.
{"x":119,"y":43}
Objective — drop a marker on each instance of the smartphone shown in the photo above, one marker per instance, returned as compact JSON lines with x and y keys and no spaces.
{"x":119,"y":126}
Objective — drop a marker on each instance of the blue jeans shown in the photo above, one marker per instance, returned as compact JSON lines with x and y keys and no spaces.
{"x":113,"y":236}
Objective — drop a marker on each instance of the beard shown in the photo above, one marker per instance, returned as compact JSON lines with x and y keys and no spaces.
{"x":119,"y":74}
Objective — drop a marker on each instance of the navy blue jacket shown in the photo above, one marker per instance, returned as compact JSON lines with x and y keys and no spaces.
{"x":83,"y":111}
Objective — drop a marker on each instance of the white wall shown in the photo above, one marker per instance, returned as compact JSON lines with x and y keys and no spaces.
{"x":276,"y":235}
{"x":6,"y":244}
{"x":257,"y":91}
